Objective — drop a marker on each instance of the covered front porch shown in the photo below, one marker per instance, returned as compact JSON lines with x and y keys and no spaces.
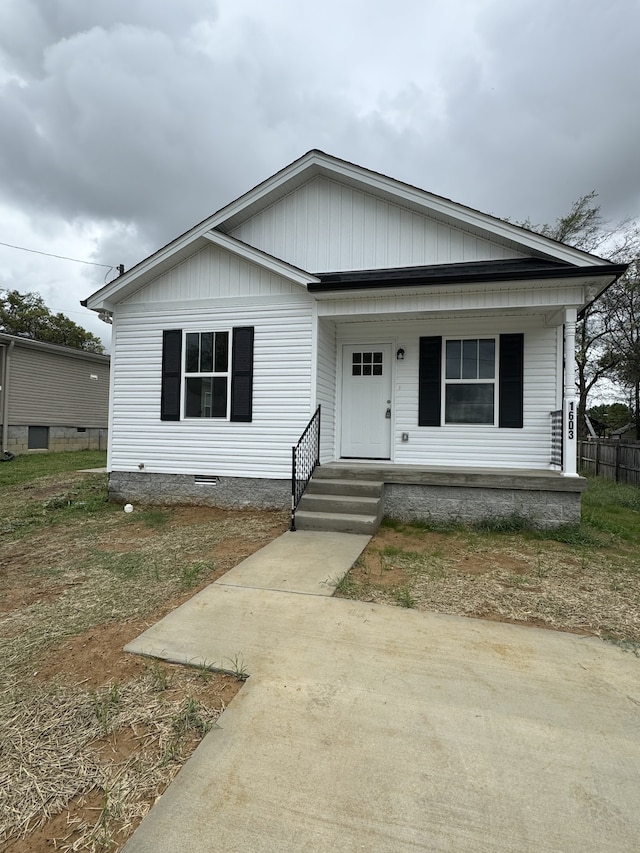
{"x":388,"y":392}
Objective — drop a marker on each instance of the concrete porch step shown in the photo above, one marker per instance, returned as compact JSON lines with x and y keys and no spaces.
{"x":342,"y":505}
{"x":351,"y":504}
{"x":352,"y":473}
{"x":331,"y":486}
{"x":336,"y":521}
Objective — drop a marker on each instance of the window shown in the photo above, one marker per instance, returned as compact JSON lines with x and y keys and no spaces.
{"x":475,"y":391}
{"x":218,"y":369}
{"x":366,"y":364}
{"x":470,"y":371}
{"x":206,"y":371}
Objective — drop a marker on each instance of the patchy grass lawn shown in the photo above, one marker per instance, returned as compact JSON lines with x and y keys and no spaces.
{"x":584,"y":579}
{"x":91,"y":735}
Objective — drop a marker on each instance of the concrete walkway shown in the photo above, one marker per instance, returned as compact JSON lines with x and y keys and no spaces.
{"x":371,"y":728}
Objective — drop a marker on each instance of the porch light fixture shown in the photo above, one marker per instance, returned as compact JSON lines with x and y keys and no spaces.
{"x":400,"y":354}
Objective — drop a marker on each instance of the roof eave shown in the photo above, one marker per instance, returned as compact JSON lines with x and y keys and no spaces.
{"x":108,"y":297}
{"x":612,"y":272}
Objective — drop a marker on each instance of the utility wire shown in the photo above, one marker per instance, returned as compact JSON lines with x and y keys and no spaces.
{"x":61,"y":257}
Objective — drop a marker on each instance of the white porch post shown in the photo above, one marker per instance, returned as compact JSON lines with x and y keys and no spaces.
{"x":570,"y":398}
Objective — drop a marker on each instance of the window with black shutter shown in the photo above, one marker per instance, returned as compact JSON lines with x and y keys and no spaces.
{"x":429,"y":381}
{"x":472,"y":387}
{"x":242,"y":374}
{"x":511,"y":381}
{"x":171,"y":375}
{"x":212,"y":370}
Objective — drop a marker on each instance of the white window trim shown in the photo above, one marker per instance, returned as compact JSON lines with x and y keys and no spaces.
{"x":445,"y":381}
{"x":212,"y":375}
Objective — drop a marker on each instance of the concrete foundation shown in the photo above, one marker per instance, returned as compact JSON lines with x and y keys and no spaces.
{"x":545,"y":498}
{"x":60,"y":438}
{"x":468,"y":505}
{"x":189,"y":490}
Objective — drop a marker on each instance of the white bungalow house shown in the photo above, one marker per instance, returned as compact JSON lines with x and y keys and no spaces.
{"x":437,"y":340}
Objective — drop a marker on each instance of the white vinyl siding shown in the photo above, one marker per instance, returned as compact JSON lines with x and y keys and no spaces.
{"x":281,"y":397}
{"x":525,"y":298}
{"x":326,"y":388}
{"x":324,"y":226}
{"x":64,"y":388}
{"x":469,"y":445}
{"x":195,"y":296}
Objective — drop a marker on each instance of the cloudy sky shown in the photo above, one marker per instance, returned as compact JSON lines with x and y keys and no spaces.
{"x":124,"y":122}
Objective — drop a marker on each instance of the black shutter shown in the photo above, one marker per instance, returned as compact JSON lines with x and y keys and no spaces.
{"x":171,"y":374}
{"x":511,"y":381}
{"x":429,"y":381}
{"x":242,"y":374}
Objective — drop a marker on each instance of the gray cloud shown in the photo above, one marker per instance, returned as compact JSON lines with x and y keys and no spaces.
{"x":144,"y":117}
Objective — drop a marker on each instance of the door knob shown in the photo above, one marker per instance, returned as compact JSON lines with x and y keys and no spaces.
{"x":388,"y":413}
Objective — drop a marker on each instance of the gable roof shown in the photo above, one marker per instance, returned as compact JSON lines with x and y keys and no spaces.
{"x":449,"y":212}
{"x":216,"y":227}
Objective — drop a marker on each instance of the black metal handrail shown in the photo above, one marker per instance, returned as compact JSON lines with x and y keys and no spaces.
{"x":556,"y":438}
{"x":304,"y":458}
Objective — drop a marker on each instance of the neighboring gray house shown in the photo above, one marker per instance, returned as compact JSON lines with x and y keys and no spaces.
{"x":626,"y":434}
{"x":51,"y":397}
{"x":438,"y":340}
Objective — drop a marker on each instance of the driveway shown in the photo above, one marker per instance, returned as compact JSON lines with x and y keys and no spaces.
{"x":364,"y":727}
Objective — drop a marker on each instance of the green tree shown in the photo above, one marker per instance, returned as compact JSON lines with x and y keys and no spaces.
{"x":611,"y":415}
{"x":623,"y":343}
{"x":607,"y":333}
{"x":27,"y":314}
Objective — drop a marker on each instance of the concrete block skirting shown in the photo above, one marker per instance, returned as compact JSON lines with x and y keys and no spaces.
{"x":60,"y":438}
{"x":414,"y":493}
{"x":467,"y":504}
{"x":186,"y":490}
{"x":547,"y":501}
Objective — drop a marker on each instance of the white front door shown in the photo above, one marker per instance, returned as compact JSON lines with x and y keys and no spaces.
{"x":366,"y":401}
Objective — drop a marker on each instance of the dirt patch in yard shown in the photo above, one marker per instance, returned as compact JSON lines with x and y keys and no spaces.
{"x":95,"y":734}
{"x":520,"y":577}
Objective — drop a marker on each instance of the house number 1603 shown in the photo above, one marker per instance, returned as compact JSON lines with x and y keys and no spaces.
{"x":571,"y":423}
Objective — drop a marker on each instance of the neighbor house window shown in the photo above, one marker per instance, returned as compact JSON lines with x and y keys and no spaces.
{"x":470,"y":372}
{"x":206,"y":373}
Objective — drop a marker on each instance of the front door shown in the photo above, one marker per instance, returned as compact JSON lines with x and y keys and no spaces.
{"x":366,"y":401}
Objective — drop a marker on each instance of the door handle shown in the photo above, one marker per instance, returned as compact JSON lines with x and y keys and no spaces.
{"x":387,"y":414}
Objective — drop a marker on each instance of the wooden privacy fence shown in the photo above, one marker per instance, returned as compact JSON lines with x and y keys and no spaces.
{"x":610,"y":459}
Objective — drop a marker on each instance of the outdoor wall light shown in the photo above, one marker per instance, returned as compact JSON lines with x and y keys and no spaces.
{"x":400,"y":354}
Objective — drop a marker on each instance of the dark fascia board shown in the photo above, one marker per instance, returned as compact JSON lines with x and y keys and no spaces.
{"x":521,"y":269}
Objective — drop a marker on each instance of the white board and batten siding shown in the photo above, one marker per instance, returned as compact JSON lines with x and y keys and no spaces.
{"x":213,"y":273}
{"x":324,"y":226}
{"x":467,"y":446}
{"x":213,"y":291}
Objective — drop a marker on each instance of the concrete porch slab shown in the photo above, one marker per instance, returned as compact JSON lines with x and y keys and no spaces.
{"x":449,"y":475}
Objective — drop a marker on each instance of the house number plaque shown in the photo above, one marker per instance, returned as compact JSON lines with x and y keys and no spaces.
{"x":572,"y":419}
